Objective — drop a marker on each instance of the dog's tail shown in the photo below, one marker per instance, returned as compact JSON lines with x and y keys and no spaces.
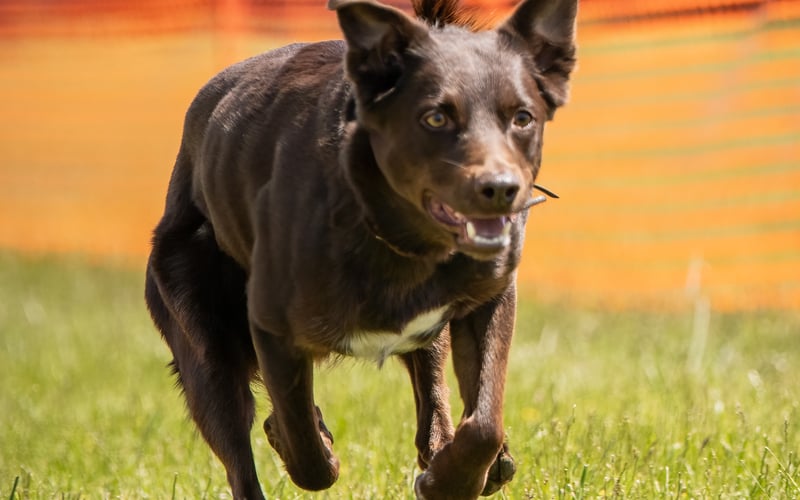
{"x":439,"y":13}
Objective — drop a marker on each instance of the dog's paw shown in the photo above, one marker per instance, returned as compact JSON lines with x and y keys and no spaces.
{"x":310,"y":471}
{"x":417,"y":487}
{"x":501,"y":472}
{"x":274,"y":438}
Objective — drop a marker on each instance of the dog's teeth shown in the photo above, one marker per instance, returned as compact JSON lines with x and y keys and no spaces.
{"x":471,"y":231}
{"x":507,"y":229}
{"x":497,"y":240}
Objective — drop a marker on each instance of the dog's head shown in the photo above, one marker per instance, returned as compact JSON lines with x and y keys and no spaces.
{"x":455,"y":117}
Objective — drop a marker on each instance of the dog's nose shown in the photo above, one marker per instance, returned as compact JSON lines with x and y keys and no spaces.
{"x":497,"y":191}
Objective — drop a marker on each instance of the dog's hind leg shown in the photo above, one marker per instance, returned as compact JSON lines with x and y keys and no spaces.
{"x":196,"y":296}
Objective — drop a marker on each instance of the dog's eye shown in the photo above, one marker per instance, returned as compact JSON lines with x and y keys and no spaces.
{"x":522,"y":118}
{"x":435,"y":119}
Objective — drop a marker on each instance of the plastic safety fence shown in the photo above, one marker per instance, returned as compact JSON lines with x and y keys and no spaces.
{"x":677,"y":159}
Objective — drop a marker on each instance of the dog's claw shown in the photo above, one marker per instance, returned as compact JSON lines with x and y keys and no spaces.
{"x":501,"y":472}
{"x":272,"y":436}
{"x":325,"y":434}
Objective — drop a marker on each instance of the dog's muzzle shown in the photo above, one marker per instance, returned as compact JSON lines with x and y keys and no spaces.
{"x":482,"y":233}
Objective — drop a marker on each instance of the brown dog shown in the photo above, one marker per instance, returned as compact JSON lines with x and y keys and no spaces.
{"x":366,"y":198}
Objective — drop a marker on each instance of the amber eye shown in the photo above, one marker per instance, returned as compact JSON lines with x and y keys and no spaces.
{"x":435,"y":119}
{"x":522,"y":118}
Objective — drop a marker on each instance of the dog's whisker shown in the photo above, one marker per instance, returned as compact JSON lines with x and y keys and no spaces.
{"x":545,"y":191}
{"x":538,"y":200}
{"x":452,"y":163}
{"x":532,"y":202}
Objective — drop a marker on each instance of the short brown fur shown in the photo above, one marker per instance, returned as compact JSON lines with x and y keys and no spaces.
{"x":360,"y":197}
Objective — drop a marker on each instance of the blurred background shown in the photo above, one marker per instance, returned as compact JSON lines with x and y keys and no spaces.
{"x":677,"y":159}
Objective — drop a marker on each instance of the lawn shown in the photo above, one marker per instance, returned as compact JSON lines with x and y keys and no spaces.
{"x":599,"y":403}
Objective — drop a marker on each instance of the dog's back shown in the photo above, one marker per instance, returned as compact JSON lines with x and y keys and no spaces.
{"x":285,"y":95}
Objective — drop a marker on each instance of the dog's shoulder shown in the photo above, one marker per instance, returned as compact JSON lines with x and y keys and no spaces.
{"x":257,"y":103}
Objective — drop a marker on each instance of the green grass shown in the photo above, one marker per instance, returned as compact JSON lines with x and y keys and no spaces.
{"x":599,"y":404}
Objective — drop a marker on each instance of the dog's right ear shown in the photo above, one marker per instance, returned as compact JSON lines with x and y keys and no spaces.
{"x":377,"y":39}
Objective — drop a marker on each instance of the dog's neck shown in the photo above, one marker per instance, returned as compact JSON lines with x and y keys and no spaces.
{"x":389,"y":219}
{"x":376,"y":232}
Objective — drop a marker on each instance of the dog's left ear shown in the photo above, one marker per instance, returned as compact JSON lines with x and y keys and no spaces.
{"x":547,"y":29}
{"x":377,"y":39}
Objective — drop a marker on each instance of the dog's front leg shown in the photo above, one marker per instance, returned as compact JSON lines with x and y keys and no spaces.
{"x":480,"y":344}
{"x":295,"y":429}
{"x":431,"y":395}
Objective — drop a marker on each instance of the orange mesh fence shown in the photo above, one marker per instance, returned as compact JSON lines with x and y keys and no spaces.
{"x":678,"y":158}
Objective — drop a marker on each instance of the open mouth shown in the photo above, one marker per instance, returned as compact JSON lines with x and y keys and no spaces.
{"x":486,"y":233}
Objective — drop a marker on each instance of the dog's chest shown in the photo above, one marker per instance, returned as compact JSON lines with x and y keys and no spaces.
{"x":417,"y":333}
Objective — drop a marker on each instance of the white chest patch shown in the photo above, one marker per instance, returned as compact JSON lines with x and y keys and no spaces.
{"x":380,"y":345}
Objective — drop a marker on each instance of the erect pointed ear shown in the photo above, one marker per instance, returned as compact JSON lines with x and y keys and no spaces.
{"x":378,"y":37}
{"x":547,"y":29}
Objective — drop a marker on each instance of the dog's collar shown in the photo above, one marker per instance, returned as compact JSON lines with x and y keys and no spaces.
{"x":409,"y":254}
